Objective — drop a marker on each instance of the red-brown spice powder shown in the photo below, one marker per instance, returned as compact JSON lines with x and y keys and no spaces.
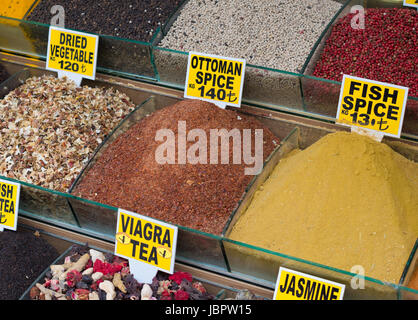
{"x":198,"y":196}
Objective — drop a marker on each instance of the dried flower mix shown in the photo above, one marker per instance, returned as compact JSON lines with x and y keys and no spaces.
{"x":199,"y":196}
{"x":115,"y":284}
{"x":50,"y":128}
{"x":346,"y":200}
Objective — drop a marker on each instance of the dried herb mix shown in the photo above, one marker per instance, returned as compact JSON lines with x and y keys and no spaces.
{"x":51,"y":127}
{"x":199,"y":196}
{"x":346,"y":200}
{"x":88,"y":274}
{"x":23,"y":257}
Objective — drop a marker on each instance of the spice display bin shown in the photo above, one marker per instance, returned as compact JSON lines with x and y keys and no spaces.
{"x":11,"y":70}
{"x":262,"y":265}
{"x":320,"y":96}
{"x":194,"y":246}
{"x":128,"y":58}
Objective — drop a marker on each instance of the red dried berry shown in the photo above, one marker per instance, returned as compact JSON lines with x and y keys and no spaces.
{"x":385,"y":50}
{"x":179,"y":276}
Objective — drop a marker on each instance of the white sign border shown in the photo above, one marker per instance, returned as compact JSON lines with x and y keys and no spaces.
{"x":238,"y":104}
{"x":174,"y":243}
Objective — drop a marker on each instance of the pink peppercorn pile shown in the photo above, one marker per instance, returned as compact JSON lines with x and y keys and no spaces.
{"x":385,"y":50}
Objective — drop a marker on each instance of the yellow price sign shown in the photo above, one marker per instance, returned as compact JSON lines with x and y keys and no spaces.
{"x":216,"y":79}
{"x":72,"y":52}
{"x":294,"y":285}
{"x":9,"y":204}
{"x":146,"y":240}
{"x":411,"y":3}
{"x":372,"y":105}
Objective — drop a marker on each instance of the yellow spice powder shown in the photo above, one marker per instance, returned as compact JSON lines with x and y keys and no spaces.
{"x":346,"y":200}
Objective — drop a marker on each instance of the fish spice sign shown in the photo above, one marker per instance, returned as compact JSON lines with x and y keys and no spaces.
{"x":146,"y":240}
{"x":216,"y":79}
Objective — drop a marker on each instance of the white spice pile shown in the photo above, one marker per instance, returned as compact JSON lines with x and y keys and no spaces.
{"x":50,"y":128}
{"x":276,"y":34}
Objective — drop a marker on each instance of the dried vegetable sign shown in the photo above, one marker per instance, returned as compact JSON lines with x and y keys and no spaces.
{"x":411,"y":3}
{"x":72,"y":53}
{"x":9,"y":204}
{"x":371,"y":105}
{"x":294,"y":285}
{"x":216,"y":79}
{"x":150,"y":242}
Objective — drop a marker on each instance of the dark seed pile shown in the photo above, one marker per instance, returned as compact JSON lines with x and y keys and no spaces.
{"x":132,"y":19}
{"x":23,"y":257}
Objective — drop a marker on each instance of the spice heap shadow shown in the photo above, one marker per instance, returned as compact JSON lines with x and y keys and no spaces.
{"x":275,"y":34}
{"x":50,"y":128}
{"x":23,"y":257}
{"x":132,"y":19}
{"x":200,"y":196}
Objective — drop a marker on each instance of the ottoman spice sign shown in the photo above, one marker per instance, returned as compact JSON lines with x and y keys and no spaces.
{"x":148,"y":244}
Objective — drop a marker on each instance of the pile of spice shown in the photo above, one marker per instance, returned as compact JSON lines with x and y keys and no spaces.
{"x":4,"y":75}
{"x":346,"y":200}
{"x":23,"y":257}
{"x":275,"y":34}
{"x":50,"y":128}
{"x":88,"y":274}
{"x":385,"y":50}
{"x":200,"y":196}
{"x":132,"y":19}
